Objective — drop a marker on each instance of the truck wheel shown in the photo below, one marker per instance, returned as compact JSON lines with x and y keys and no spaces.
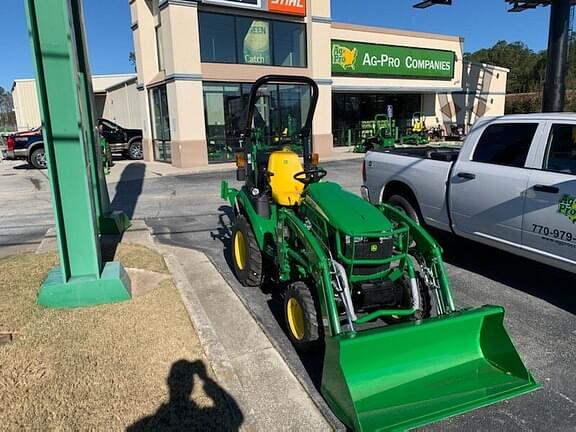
{"x":38,"y":158}
{"x":405,"y":205}
{"x":301,"y":315}
{"x":135,"y":151}
{"x":246,"y":255}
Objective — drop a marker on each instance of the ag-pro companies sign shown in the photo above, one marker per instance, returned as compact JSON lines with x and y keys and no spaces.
{"x":355,"y":58}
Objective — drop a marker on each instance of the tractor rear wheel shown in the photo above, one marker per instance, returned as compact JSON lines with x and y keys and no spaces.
{"x":246,"y":255}
{"x":302,"y":317}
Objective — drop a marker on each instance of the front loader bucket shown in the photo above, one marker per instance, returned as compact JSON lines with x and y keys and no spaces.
{"x":407,"y":375}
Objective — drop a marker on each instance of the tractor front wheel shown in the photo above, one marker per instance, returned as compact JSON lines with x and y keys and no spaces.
{"x":246,"y":255}
{"x":302,"y":317}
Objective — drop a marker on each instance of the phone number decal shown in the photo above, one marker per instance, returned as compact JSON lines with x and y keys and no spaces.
{"x":554,"y":233}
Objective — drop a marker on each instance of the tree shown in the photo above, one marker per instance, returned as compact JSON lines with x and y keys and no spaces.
{"x":7,"y":117}
{"x":527,"y":68}
{"x":132,"y":59}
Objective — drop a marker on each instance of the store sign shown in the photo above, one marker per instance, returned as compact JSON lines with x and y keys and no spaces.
{"x":237,"y":3}
{"x":292,"y":7}
{"x":354,"y":58}
{"x":257,"y":43}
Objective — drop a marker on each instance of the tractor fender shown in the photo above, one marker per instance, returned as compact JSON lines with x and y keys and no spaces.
{"x":263,"y":228}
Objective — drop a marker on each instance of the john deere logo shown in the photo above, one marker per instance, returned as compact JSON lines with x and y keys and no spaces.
{"x":344,"y":57}
{"x":373,"y":248}
{"x":567,"y":207}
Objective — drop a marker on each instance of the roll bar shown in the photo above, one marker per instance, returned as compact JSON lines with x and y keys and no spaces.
{"x":282,"y":79}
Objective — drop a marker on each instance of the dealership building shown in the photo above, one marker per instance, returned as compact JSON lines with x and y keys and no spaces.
{"x":196,"y":61}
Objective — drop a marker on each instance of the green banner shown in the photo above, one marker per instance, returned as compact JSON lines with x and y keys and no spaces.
{"x":257,"y":43}
{"x":354,"y":58}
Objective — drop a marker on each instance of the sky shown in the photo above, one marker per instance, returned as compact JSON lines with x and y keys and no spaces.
{"x":481,"y":22}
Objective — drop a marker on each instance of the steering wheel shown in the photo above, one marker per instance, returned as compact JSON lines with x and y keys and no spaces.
{"x":310,"y":176}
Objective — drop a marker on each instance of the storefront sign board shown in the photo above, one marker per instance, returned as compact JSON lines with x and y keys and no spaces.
{"x":364,"y":59}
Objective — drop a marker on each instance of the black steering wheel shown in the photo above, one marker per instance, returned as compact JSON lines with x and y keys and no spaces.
{"x":310,"y":176}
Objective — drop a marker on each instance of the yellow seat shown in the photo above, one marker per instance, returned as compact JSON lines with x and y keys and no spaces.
{"x":283,"y":164}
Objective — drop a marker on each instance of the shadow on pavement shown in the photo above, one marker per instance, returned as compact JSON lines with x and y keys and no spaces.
{"x":128,"y":190}
{"x":539,"y":280}
{"x":24,"y":166}
{"x":182,"y":413}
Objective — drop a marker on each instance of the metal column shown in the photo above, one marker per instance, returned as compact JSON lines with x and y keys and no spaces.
{"x":555,"y":86}
{"x":79,"y":196}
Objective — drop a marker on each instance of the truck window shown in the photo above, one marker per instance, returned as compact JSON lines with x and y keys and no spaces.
{"x":505,"y":144}
{"x":561,"y":151}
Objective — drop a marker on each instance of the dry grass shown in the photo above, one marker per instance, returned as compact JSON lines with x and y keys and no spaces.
{"x":106,"y":367}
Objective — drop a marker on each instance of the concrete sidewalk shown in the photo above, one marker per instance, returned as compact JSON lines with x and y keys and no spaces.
{"x":160,"y":169}
{"x":242,"y":357}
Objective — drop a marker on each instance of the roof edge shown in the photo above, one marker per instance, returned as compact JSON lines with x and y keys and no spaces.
{"x":398,"y":32}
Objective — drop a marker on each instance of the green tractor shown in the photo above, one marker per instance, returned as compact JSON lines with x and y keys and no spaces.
{"x":365,"y":287}
{"x":383,"y":134}
{"x":417,"y":133}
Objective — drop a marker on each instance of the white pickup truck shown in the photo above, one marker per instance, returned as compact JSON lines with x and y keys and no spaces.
{"x":512,"y":185}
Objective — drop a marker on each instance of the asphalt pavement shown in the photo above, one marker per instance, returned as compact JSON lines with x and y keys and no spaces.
{"x":186,"y":211}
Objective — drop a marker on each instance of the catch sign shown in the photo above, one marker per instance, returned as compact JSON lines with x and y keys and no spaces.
{"x":354,"y":58}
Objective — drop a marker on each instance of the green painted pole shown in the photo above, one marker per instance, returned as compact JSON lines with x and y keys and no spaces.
{"x":81,"y":279}
{"x":109,"y":222}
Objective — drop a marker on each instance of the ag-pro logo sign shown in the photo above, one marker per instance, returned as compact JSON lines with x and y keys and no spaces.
{"x":344,"y":57}
{"x":355,"y":58}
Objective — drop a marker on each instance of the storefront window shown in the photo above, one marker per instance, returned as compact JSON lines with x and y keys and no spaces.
{"x":351,"y":113}
{"x":280,"y":113}
{"x":160,"y":124}
{"x":289,"y":44}
{"x":217,"y":38}
{"x":243,"y":40}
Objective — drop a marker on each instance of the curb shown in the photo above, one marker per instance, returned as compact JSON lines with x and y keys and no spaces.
{"x":209,"y":341}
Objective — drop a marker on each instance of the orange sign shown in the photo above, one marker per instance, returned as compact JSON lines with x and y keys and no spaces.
{"x":292,"y":7}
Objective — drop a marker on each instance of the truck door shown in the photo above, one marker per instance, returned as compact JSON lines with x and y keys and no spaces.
{"x":112,"y":133}
{"x":488,"y":183}
{"x":550,"y":207}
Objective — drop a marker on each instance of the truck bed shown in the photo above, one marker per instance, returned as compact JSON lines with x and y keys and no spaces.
{"x":444,"y":153}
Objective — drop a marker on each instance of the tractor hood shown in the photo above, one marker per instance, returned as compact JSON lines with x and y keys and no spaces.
{"x":346,"y":211}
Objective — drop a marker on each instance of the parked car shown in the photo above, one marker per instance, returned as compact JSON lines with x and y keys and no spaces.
{"x":122,"y":140}
{"x":511,"y":186}
{"x":29,"y":145}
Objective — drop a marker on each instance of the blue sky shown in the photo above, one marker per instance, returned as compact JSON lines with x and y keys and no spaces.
{"x":480,"y":22}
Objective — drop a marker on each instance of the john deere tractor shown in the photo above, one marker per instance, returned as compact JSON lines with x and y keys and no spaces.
{"x":367,"y":285}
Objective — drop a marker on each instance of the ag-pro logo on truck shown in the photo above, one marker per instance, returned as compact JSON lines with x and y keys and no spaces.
{"x":567,"y":207}
{"x":344,"y":57}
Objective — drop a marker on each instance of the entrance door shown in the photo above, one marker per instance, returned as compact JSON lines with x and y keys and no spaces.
{"x":487,"y":191}
{"x":550,"y":209}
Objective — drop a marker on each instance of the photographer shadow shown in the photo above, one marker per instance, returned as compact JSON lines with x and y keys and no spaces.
{"x":181,"y":412}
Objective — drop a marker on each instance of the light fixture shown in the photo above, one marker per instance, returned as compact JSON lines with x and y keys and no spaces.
{"x":427,"y":3}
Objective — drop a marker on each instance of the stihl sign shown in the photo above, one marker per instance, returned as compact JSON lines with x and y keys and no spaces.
{"x":293,"y":7}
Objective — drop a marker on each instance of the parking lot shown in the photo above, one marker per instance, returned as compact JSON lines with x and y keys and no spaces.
{"x":186,"y":210}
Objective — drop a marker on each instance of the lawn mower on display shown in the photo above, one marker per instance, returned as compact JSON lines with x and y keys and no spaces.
{"x":417,"y":133}
{"x":384,"y":134}
{"x":366,"y":287}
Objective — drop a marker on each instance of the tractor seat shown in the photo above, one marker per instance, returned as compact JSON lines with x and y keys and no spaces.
{"x":282,"y":165}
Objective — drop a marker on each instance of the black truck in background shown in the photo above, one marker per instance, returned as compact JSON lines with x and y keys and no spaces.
{"x":30,"y":145}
